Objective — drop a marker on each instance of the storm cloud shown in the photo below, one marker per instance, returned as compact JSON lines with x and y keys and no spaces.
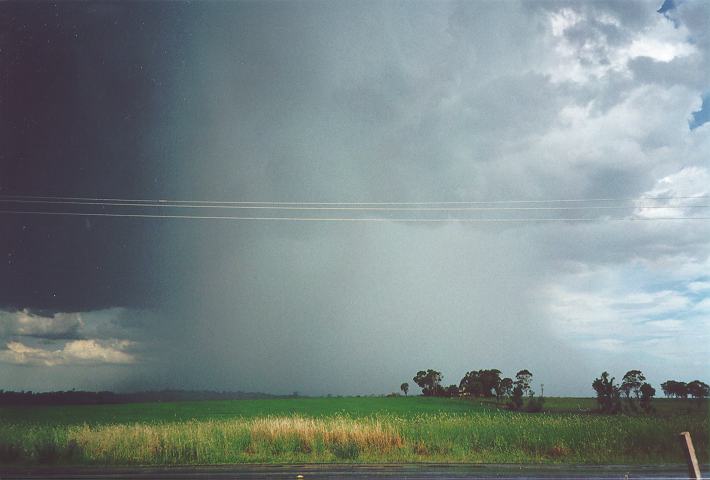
{"x":354,"y":102}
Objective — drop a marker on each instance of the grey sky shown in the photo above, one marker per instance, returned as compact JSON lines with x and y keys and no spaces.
{"x":355,"y":101}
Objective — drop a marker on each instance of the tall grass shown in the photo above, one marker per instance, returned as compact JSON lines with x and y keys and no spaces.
{"x":438,"y":437}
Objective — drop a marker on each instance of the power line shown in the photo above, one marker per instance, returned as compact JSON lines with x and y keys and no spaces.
{"x":477,"y":202}
{"x":347,"y":219}
{"x":341,"y":208}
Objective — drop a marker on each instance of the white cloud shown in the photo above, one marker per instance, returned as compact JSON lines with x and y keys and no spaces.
{"x":662,"y":42}
{"x":592,"y":45}
{"x":562,"y":20}
{"x":25,"y":323}
{"x":669,"y":325}
{"x":699,"y":287}
{"x":89,"y":338}
{"x":75,"y":352}
{"x":606,"y":344}
{"x":688,"y":182}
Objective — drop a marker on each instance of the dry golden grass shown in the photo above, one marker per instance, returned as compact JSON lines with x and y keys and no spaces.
{"x":237,"y":439}
{"x":369,"y":434}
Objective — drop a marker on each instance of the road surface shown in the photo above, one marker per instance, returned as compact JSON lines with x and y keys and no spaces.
{"x":351,"y":472}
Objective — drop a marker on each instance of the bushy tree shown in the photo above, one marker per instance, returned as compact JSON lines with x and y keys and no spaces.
{"x":480,"y":383}
{"x":631,"y":383}
{"x":672,"y":388}
{"x":430,"y":382}
{"x":523,"y":379}
{"x":505,"y":388}
{"x":698,"y":390}
{"x":608,"y":396}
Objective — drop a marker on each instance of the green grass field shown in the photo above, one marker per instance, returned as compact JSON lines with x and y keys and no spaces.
{"x":377,"y":430}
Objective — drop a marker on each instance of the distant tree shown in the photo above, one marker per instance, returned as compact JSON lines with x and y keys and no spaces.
{"x":452,"y":391}
{"x":608,"y":396}
{"x":430,"y":382}
{"x":470,"y":384}
{"x":523,"y":379}
{"x":631,"y":383}
{"x":647,"y":393}
{"x":672,"y":388}
{"x":516,"y":399}
{"x":666,"y":387}
{"x":490,"y":380}
{"x":480,"y":383}
{"x":699,"y":390}
{"x":405,"y":388}
{"x":505,"y":387}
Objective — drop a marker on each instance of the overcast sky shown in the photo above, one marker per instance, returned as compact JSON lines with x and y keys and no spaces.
{"x":354,"y":102}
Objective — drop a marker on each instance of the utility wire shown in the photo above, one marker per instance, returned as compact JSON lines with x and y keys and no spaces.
{"x":341,"y":208}
{"x":212,"y":202}
{"x":346,"y":219}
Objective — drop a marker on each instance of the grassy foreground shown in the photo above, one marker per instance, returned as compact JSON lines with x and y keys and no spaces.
{"x":343,"y":430}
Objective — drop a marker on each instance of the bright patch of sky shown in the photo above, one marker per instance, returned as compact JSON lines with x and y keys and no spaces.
{"x":702,"y":116}
{"x":637,"y":315}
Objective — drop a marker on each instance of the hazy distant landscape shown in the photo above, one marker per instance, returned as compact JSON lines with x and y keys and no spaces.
{"x":485,"y":418}
{"x":347,"y":429}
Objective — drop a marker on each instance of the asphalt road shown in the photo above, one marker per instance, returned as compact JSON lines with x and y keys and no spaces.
{"x":390,"y":472}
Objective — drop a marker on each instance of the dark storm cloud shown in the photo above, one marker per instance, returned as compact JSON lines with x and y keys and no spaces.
{"x":85,"y":89}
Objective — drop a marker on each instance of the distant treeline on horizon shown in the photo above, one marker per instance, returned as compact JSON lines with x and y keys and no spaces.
{"x":78,"y":397}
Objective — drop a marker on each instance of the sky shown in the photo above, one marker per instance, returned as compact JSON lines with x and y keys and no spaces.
{"x":365,"y":101}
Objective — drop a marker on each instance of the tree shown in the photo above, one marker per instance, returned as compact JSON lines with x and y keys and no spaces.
{"x":480,"y":383}
{"x":505,"y":388}
{"x":666,"y":387}
{"x":405,"y":388}
{"x":681,"y":390}
{"x":516,"y":399}
{"x":699,"y":390}
{"x":452,"y":391}
{"x":631,"y":383}
{"x":430,"y":382}
{"x":647,"y":393}
{"x":672,"y":388}
{"x":608,"y":396}
{"x":523,"y":379}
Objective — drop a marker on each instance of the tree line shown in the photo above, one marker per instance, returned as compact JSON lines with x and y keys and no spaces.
{"x":485,"y":383}
{"x":695,"y":389}
{"x":632,"y":395}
